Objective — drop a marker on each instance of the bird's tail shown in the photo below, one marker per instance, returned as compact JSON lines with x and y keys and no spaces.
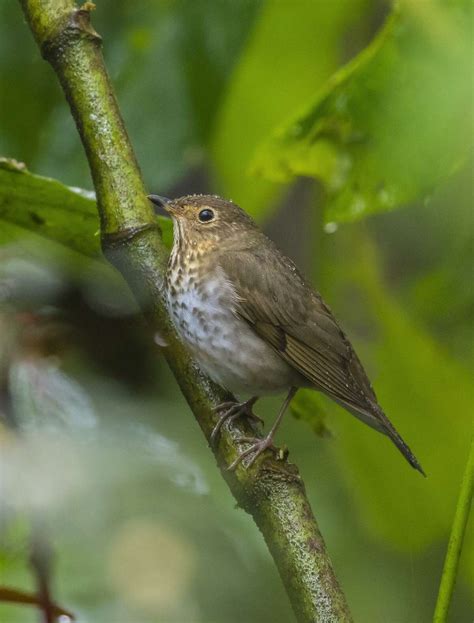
{"x":391,"y":432}
{"x":377,"y":419}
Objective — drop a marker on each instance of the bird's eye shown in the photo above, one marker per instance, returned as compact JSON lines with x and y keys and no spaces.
{"x":205,"y":216}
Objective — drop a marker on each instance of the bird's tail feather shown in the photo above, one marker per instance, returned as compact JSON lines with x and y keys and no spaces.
{"x":377,"y":419}
{"x":391,"y":432}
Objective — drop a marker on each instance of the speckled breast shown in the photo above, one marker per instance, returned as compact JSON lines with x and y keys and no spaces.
{"x":202,"y":304}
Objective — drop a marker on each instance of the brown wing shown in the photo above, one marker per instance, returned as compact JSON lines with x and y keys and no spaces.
{"x":293,"y":319}
{"x":290,"y":316}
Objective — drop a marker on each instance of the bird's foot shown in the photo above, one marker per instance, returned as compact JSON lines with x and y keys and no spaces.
{"x":258,"y":446}
{"x":232,"y":411}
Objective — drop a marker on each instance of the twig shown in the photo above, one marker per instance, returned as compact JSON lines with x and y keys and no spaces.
{"x":456,"y":538}
{"x":271,"y":491}
{"x":16,"y":596}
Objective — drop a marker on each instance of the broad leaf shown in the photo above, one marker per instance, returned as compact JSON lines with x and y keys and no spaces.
{"x":393,"y":123}
{"x":293,"y":49}
{"x":52,"y":210}
{"x":48,"y":208}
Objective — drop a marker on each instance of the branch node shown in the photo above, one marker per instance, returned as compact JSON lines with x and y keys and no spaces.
{"x":112,"y":240}
{"x":67,"y":31}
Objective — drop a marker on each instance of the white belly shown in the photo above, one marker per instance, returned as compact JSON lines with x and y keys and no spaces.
{"x":224,"y":345}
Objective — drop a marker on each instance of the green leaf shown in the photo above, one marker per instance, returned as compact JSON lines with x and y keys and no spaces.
{"x":52,"y":210}
{"x":48,"y":208}
{"x":393,"y":123}
{"x":293,"y":49}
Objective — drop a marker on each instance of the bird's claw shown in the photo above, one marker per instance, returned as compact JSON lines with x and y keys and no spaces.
{"x":223,"y":406}
{"x":232,"y":411}
{"x":258,"y":446}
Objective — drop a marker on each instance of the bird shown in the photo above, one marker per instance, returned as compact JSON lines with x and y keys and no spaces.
{"x":253,"y":323}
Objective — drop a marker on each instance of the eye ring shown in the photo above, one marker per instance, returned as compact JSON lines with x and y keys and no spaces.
{"x":206,"y":215}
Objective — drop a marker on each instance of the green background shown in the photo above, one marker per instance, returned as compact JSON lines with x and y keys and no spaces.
{"x":240,"y":98}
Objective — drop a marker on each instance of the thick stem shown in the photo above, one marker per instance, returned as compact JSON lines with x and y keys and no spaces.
{"x":271,"y":491}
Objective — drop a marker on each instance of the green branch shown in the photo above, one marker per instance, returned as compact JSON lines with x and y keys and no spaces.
{"x":271,"y":491}
{"x":456,"y":538}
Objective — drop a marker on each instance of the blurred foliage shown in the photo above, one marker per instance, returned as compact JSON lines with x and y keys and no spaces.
{"x":293,"y":50}
{"x":309,"y":407}
{"x":174,"y":57}
{"x":393,"y":123}
{"x":404,"y":358}
{"x":106,"y":452}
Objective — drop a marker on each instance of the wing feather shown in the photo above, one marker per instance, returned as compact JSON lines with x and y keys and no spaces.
{"x":289,"y":315}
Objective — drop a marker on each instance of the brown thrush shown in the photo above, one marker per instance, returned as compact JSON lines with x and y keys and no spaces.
{"x":253,"y":323}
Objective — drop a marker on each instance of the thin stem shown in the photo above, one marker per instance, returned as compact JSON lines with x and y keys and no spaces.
{"x":40,"y":559}
{"x":456,"y":538}
{"x":272,"y":490}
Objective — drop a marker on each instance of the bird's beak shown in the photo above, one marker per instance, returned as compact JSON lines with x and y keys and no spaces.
{"x":161,"y":203}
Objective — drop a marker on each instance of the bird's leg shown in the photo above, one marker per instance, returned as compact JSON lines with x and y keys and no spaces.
{"x":232,"y":411}
{"x":260,"y":445}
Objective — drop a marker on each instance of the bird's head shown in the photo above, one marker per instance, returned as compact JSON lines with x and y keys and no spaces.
{"x":206,"y":220}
